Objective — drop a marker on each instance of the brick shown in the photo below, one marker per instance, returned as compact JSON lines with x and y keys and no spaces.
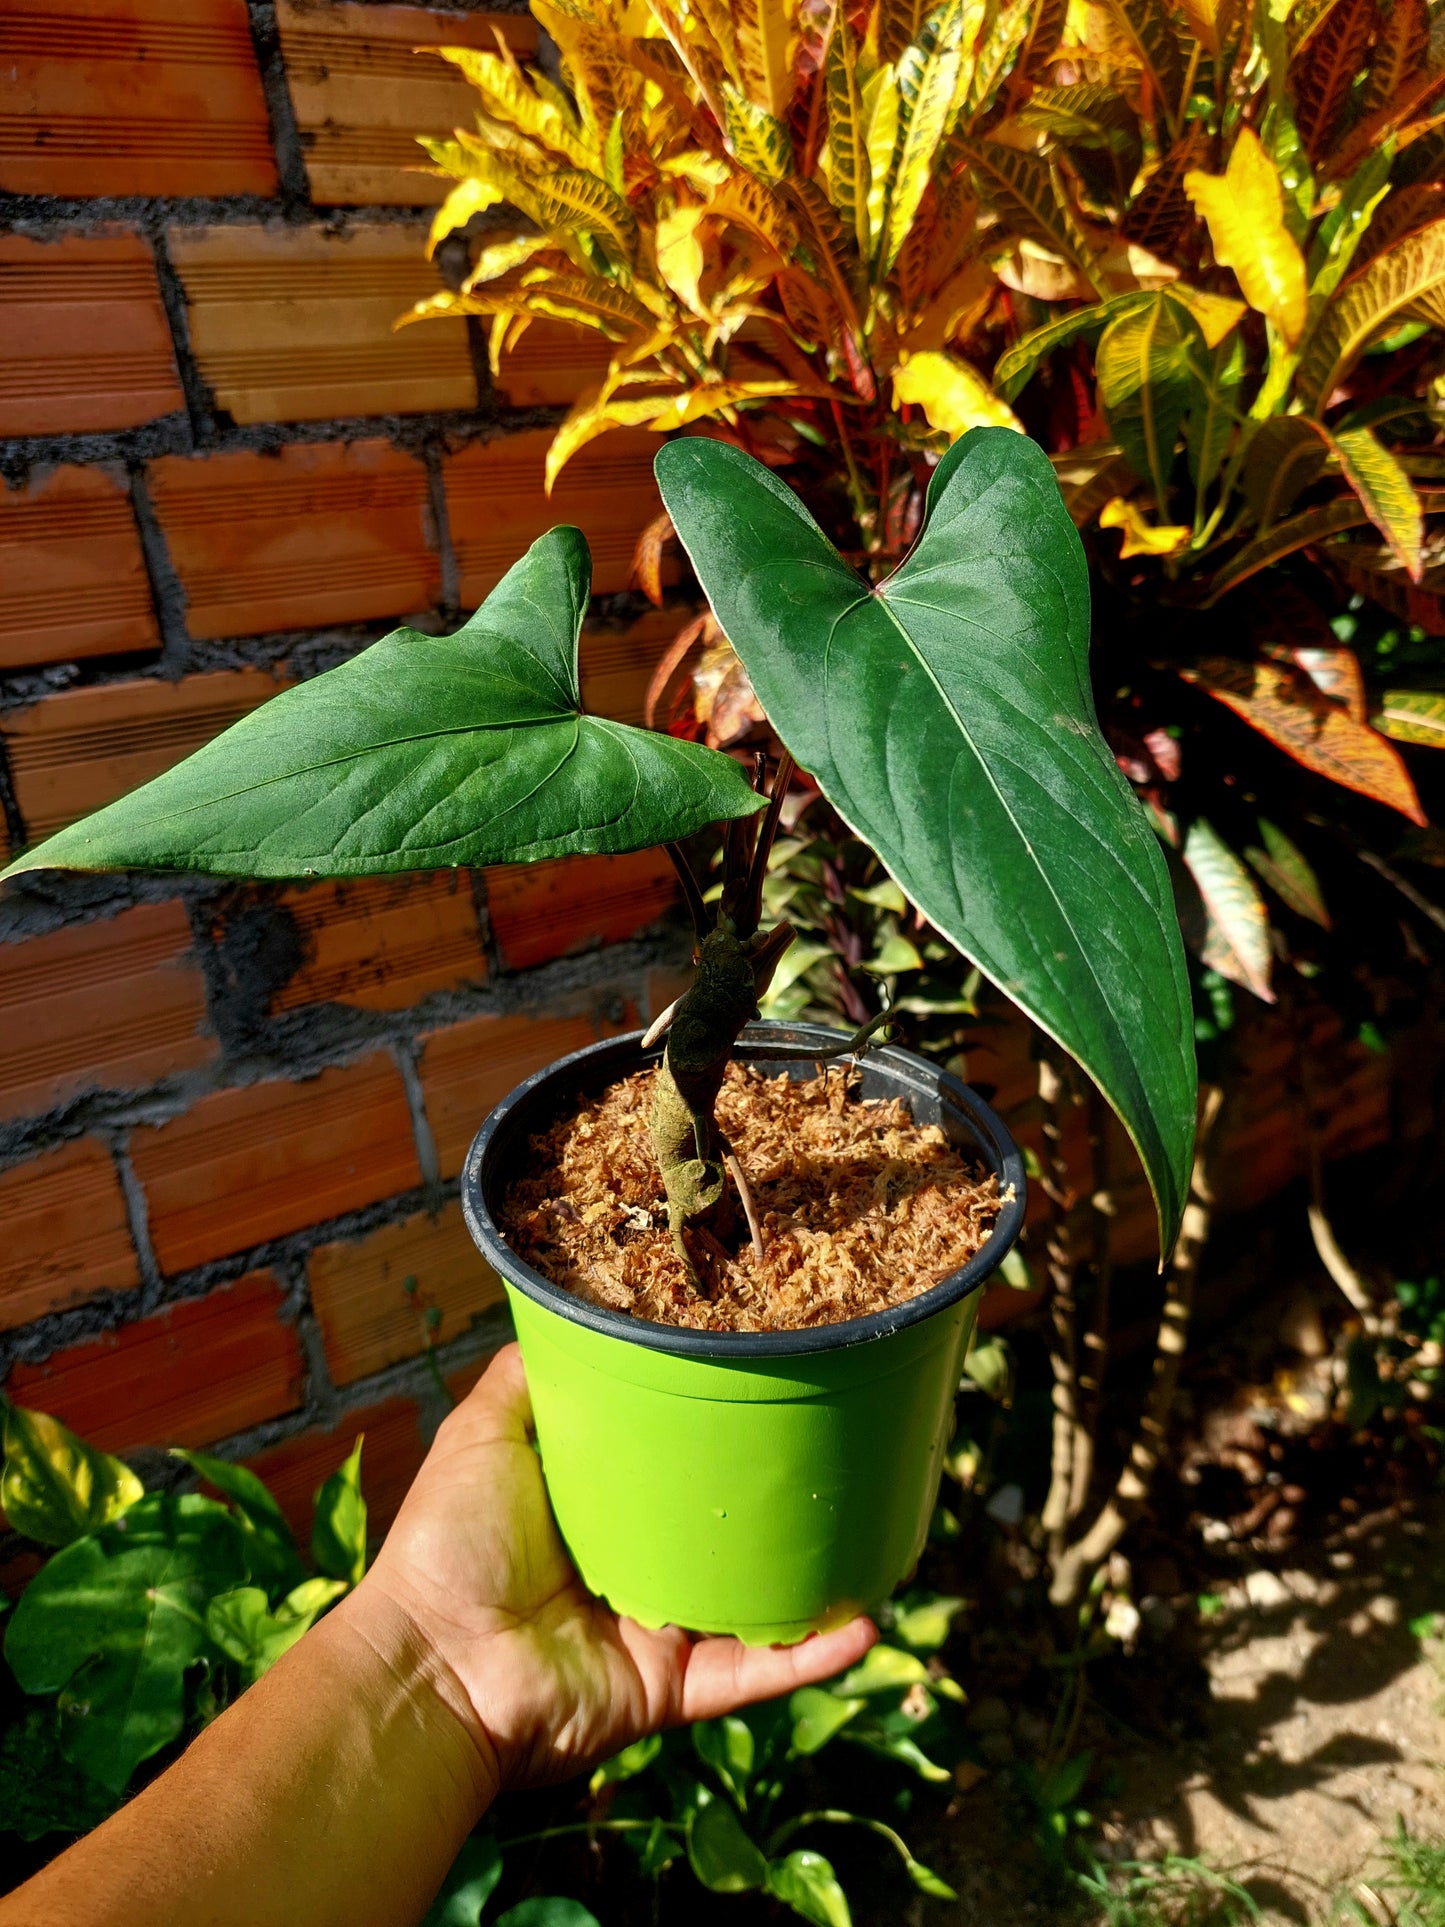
{"x":81,"y":748}
{"x":390,"y":1458}
{"x":617,"y":664}
{"x":72,"y":577}
{"x":244,"y":1166}
{"x":132,"y":97}
{"x":545,"y":910}
{"x":368,"y":1317}
{"x":295,"y":324}
{"x":552,"y":364}
{"x":498,"y":506}
{"x":381,"y":943}
{"x":312,"y":535}
{"x":111,"y":1005}
{"x":469,"y":1067}
{"x":362,"y":93}
{"x":84,"y":341}
{"x":188,"y":1375}
{"x":66,"y":1235}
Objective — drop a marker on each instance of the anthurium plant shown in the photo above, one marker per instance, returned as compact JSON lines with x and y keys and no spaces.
{"x":1198,"y":253}
{"x":946,"y":714}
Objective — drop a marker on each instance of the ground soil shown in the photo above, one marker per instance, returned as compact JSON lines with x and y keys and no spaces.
{"x":859,"y":1207}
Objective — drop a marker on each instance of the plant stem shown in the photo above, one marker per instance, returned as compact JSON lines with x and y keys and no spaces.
{"x":1073,"y":1565}
{"x":855,"y":484}
{"x":839,"y":1817}
{"x":591,"y":1826}
{"x":1063,"y":1308}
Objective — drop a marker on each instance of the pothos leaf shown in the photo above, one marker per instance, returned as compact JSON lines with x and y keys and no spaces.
{"x":55,"y":1487}
{"x":338,"y":1530}
{"x":806,"y":1882}
{"x":721,"y":1854}
{"x":1236,"y":938}
{"x":1026,"y":847}
{"x":469,"y":1885}
{"x":423,"y":752}
{"x":112,"y":1622}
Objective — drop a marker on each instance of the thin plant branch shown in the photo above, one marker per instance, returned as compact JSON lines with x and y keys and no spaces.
{"x":750,"y":909}
{"x":691,"y":891}
{"x":734,"y":1165}
{"x":1131,"y":1489}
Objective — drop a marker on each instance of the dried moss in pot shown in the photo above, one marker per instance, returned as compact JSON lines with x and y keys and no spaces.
{"x":858,"y":1207}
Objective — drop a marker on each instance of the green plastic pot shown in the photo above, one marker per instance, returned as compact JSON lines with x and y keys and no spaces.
{"x":767,"y":1484}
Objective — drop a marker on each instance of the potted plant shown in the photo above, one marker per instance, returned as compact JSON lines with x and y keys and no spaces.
{"x":763,"y":1482}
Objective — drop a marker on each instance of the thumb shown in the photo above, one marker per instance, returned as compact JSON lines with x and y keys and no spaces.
{"x":724,"y":1674}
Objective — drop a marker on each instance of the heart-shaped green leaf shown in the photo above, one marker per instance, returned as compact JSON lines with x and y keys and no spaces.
{"x":113,"y":1621}
{"x":948,"y":717}
{"x":421,"y":753}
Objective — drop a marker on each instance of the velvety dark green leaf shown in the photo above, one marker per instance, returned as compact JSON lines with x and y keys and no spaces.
{"x":721,"y":1854}
{"x":55,"y":1487}
{"x":338,"y":1530}
{"x":808,"y":1884}
{"x":271,"y":1551}
{"x":421,"y":753}
{"x":468,"y":1887}
{"x":112,"y":1622}
{"x":947,"y":716}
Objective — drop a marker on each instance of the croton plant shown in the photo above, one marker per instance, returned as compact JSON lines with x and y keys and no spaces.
{"x":1197,"y":251}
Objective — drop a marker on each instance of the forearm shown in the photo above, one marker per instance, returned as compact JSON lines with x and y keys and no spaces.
{"x":334,"y":1793}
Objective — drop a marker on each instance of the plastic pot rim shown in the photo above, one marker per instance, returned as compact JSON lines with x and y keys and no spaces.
{"x":760,"y":1041}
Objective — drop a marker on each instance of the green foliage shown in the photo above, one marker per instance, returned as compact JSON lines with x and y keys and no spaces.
{"x":338,"y":1531}
{"x":113,"y":1621}
{"x":54,"y":1488}
{"x":1024,"y":847}
{"x":422,"y":753}
{"x":1173,"y":1892}
{"x":148,"y":1621}
{"x":1411,"y":1882}
{"x":469,"y":1886}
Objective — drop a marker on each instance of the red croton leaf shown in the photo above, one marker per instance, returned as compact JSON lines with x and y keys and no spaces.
{"x":1284,"y":704}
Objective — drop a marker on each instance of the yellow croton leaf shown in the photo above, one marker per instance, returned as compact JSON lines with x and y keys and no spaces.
{"x":951,"y":392}
{"x":1140,"y":536}
{"x":1244,"y":208}
{"x":469,"y":197}
{"x":680,"y":257}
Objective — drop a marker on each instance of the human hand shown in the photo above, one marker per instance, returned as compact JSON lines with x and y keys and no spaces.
{"x":547,"y":1679}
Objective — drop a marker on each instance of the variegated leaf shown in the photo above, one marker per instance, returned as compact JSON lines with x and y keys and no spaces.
{"x":1236,"y":936}
{"x":1140,"y":535}
{"x":759,"y":142}
{"x":1382,"y":288}
{"x":1016,"y":365}
{"x":927,"y":75}
{"x":1324,"y":74}
{"x":1149,"y":30}
{"x":1398,"y":54}
{"x":849,"y":175}
{"x":1212,"y":421}
{"x":1286,"y":455}
{"x":1283,"y":866}
{"x":1284,"y":705}
{"x":1147,"y":384}
{"x":1386,"y":493}
{"x":1301,"y":531}
{"x":1413,"y":716}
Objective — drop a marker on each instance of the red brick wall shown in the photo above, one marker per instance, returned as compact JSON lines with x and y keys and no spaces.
{"x":231,"y":1118}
